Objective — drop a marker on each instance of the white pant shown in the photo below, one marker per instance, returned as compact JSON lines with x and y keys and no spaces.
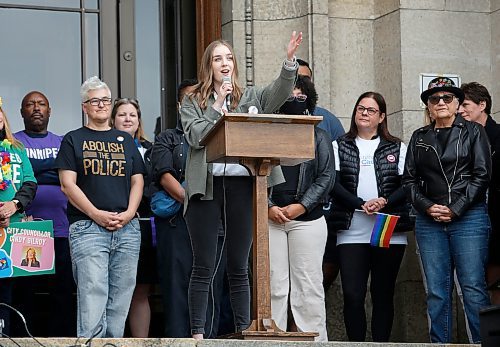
{"x":296,"y":251}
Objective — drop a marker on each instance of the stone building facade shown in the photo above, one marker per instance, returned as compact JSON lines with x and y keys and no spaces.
{"x":382,"y":45}
{"x":143,"y":48}
{"x":359,"y":45}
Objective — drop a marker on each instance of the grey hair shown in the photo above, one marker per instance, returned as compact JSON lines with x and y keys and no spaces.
{"x":92,"y":83}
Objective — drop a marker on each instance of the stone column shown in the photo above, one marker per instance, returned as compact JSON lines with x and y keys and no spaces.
{"x":495,"y":57}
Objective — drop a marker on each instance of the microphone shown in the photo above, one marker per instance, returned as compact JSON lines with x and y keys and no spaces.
{"x":227,"y":79}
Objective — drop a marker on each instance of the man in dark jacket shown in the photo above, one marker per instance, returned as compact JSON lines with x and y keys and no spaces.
{"x":477,"y":108}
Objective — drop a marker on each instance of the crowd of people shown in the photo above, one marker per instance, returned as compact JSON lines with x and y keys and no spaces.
{"x":129,"y":213}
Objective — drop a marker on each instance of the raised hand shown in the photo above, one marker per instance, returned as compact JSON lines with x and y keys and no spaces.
{"x":294,"y":43}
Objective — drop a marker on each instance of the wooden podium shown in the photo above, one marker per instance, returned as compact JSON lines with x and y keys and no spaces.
{"x":260,"y":142}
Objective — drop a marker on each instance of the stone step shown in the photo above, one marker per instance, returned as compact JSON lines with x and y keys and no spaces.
{"x":162,"y":342}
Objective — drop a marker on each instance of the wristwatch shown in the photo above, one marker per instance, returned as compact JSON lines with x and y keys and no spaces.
{"x":19,"y":206}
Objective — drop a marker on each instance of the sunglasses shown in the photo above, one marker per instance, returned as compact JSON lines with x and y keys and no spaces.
{"x":447,"y":98}
{"x":299,"y":98}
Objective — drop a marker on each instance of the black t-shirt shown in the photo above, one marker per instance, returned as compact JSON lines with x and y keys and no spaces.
{"x":285,"y":193}
{"x":104,"y":162}
{"x":442,"y":139}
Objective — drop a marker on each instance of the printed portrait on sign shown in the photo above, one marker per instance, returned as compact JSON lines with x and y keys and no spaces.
{"x":32,"y":256}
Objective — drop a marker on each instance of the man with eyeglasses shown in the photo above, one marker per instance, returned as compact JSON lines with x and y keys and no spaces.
{"x":50,"y":203}
{"x":477,"y":108}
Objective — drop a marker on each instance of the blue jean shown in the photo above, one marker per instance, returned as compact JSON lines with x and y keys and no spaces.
{"x":104,"y":268}
{"x":461,"y":245}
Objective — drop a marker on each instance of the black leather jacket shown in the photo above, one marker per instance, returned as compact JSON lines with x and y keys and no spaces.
{"x":317,"y":176}
{"x":168,"y":155}
{"x":458,"y":178}
{"x":493,"y":132}
{"x":144,"y":209}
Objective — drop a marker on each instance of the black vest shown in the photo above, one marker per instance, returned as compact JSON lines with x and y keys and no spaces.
{"x":386,"y":159}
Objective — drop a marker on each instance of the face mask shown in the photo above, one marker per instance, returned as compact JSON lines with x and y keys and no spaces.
{"x":294,"y":107}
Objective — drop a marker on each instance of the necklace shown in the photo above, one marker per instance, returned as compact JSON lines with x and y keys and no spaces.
{"x":6,"y":166}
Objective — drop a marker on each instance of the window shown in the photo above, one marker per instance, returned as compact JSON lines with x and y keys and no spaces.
{"x":51,"y":52}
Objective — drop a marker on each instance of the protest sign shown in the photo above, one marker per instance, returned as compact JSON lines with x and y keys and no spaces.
{"x":27,"y":249}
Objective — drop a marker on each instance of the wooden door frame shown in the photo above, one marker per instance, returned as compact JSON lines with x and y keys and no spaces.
{"x":208,"y":25}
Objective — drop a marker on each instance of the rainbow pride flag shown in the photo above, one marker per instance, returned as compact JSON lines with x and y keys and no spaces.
{"x":383,"y":229}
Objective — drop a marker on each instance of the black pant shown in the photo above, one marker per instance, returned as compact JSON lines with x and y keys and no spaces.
{"x":6,"y":298}
{"x":219,"y":312}
{"x":62,"y":291}
{"x":174,"y":269}
{"x":357,"y":262}
{"x":61,"y":306}
{"x":223,"y":323}
{"x":203,"y":218}
{"x":175,"y":261}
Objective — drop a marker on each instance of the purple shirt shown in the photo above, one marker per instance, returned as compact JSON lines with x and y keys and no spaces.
{"x":50,"y":202}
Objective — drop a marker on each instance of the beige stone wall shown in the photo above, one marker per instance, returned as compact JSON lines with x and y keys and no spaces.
{"x":382,"y":45}
{"x":495,"y":57}
{"x":351,"y":55}
{"x":465,"y":51}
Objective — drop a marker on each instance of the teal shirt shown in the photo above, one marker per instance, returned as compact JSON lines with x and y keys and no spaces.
{"x":21,"y":172}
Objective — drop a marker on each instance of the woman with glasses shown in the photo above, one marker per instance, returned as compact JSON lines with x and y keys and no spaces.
{"x":216,"y":192}
{"x":446,"y":176}
{"x":126,"y":116}
{"x":369,"y":163}
{"x":101,"y":173}
{"x":297,"y":227}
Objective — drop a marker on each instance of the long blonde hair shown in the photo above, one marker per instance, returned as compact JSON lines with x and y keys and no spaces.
{"x":8,"y":133}
{"x":205,"y":87}
{"x":34,"y":253}
{"x":427,"y":116}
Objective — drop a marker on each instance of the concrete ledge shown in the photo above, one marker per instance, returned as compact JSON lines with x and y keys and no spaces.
{"x":65,"y":342}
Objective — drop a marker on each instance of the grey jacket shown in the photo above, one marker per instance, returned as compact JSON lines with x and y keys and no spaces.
{"x":196,"y":123}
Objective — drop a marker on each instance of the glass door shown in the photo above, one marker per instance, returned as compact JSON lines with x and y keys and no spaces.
{"x":49,"y":46}
{"x":141,"y":48}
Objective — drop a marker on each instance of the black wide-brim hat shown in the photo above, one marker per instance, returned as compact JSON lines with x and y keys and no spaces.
{"x":442,"y":84}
